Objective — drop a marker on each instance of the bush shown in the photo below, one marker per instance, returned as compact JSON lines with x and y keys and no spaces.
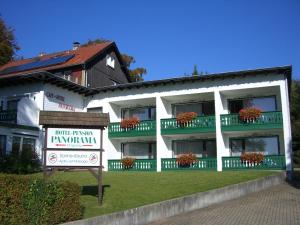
{"x":24,"y":200}
{"x":183,"y":118}
{"x":24,"y":163}
{"x":296,"y":158}
{"x":254,"y":157}
{"x":127,"y":162}
{"x":186,"y":160}
{"x":129,"y":123}
{"x":249,"y":114}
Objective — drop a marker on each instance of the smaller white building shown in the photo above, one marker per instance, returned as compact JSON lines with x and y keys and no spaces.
{"x":22,"y":98}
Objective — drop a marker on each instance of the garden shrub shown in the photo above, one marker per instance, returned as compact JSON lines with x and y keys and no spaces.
{"x":25,"y":162}
{"x":24,"y":200}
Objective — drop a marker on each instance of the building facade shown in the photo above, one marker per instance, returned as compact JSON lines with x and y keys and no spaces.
{"x":217,"y":135}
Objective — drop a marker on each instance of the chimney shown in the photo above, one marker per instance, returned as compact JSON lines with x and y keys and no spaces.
{"x":42,"y":54}
{"x":76,"y":45}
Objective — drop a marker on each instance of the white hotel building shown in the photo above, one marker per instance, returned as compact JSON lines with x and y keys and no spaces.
{"x":216,"y":136}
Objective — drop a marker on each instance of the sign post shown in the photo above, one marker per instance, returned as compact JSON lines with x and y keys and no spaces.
{"x":74,"y":140}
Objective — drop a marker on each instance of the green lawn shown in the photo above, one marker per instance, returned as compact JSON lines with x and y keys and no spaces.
{"x":125,"y":190}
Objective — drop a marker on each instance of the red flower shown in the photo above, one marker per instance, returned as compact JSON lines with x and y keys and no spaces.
{"x":249,"y":114}
{"x":186,"y":117}
{"x":129,"y":123}
{"x":254,"y":157}
{"x":185,"y":160}
{"x":127,"y":162}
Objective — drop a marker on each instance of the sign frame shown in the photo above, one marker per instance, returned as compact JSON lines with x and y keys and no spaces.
{"x":71,"y":120}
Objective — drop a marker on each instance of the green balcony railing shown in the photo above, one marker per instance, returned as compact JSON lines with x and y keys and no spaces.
{"x":198,"y":125}
{"x":273,"y":162}
{"x":268,"y":120}
{"x":201,"y":164}
{"x":139,"y":165}
{"x":144,"y":128}
{"x":8,"y":116}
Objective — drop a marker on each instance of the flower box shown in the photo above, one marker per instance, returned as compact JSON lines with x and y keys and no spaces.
{"x":129,"y":123}
{"x":183,"y":119}
{"x":127,"y":162}
{"x":252,"y":158}
{"x":186,"y":160}
{"x":249,"y":114}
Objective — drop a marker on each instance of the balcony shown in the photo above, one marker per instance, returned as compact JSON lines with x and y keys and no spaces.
{"x":270,"y":162}
{"x":139,"y":165}
{"x":8,"y":116}
{"x":144,"y":128}
{"x":268,"y":120}
{"x":201,"y":164}
{"x":200,"y":124}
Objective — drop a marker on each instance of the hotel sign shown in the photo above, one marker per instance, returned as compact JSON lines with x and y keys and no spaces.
{"x":73,"y":158}
{"x":71,"y":138}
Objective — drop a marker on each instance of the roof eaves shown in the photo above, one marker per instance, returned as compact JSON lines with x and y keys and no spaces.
{"x":282,"y":69}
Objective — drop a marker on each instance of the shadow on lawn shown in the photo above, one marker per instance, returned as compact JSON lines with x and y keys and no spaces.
{"x":93,"y":190}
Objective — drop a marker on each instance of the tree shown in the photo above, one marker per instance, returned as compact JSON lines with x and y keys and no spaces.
{"x":95,"y":41}
{"x":295,"y":118}
{"x":195,"y":72}
{"x":135,"y":74}
{"x":8,"y":44}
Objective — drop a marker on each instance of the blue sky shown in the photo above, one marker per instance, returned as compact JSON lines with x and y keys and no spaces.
{"x":166,"y":37}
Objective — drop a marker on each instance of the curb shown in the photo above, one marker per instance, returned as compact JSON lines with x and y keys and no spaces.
{"x":156,"y":211}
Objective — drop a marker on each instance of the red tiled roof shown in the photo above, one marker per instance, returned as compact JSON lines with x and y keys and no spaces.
{"x":82,"y":55}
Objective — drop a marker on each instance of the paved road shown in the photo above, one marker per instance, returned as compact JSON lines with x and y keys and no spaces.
{"x":275,"y":206}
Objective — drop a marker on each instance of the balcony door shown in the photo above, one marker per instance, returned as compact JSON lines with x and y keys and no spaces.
{"x":139,"y":150}
{"x":201,"y":148}
{"x":268,"y":145}
{"x":266,"y":104}
{"x":201,"y":108}
{"x":143,"y":113}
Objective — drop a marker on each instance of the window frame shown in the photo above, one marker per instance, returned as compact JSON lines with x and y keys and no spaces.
{"x":192,"y":102}
{"x":266,"y":96}
{"x":246,"y":137}
{"x":150,"y":150}
{"x":204,"y":145}
{"x":146,"y":107}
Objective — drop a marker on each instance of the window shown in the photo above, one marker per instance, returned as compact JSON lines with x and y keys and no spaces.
{"x":20,"y":144}
{"x":95,"y":110}
{"x":264,"y":103}
{"x":12,"y":104}
{"x":265,"y":145}
{"x":2,"y":145}
{"x":110,"y":61}
{"x":16,"y":145}
{"x":201,"y":148}
{"x":139,"y":150}
{"x":146,"y":113}
{"x":201,"y":108}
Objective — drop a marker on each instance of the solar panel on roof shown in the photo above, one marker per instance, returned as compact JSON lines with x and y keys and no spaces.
{"x":37,"y":64}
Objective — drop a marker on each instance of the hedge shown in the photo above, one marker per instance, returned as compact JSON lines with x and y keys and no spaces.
{"x":25,"y":200}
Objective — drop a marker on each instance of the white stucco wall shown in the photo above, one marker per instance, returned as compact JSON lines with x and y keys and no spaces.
{"x":164,"y":96}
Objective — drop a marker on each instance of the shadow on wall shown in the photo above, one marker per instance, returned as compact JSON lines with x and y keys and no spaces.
{"x":28,"y":112}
